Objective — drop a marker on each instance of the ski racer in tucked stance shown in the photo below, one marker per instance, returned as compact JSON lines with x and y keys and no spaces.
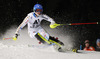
{"x":33,"y":21}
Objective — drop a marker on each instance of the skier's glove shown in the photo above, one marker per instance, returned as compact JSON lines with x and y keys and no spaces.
{"x":54,"y":25}
{"x":16,"y":36}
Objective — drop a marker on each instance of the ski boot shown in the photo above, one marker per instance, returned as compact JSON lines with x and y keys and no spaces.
{"x":58,"y":45}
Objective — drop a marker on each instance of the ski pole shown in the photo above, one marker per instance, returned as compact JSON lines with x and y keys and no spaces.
{"x":81,"y":23}
{"x":55,"y":25}
{"x":14,"y":38}
{"x":7,"y":38}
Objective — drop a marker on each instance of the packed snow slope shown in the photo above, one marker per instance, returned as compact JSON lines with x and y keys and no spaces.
{"x":20,"y":49}
{"x":12,"y":52}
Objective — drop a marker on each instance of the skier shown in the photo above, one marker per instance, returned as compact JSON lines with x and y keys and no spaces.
{"x":33,"y":21}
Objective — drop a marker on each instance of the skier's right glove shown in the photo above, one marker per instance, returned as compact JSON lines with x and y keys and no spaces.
{"x":16,"y":36}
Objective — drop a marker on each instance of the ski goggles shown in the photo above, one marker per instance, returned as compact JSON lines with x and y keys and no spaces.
{"x":39,"y":10}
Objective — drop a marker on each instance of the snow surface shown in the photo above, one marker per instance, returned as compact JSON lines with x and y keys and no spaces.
{"x":19,"y":49}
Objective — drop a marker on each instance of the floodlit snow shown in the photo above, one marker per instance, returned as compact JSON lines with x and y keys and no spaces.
{"x":19,"y":49}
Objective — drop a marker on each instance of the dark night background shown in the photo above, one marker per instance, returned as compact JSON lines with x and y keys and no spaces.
{"x":12,"y":12}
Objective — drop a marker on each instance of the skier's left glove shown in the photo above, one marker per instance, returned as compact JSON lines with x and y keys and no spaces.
{"x":54,"y":25}
{"x":15,"y":36}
